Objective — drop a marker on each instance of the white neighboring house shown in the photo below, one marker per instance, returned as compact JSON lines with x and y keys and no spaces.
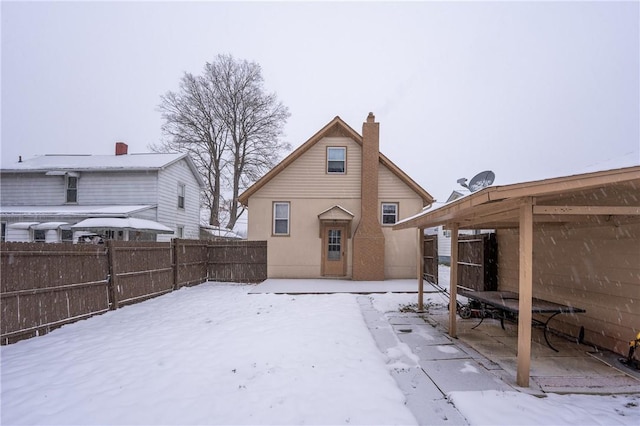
{"x":444,"y":235}
{"x":52,"y":198}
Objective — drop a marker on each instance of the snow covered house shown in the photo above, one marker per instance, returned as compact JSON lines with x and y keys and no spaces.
{"x":327,"y":209}
{"x":54,"y":198}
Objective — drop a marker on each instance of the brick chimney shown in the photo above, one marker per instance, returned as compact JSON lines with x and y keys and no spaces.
{"x":121,"y":148}
{"x":368,"y":240}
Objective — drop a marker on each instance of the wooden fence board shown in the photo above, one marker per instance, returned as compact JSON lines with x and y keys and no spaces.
{"x":224,"y":264}
{"x":477,"y":262}
{"x":430,"y":254}
{"x":191,"y":258}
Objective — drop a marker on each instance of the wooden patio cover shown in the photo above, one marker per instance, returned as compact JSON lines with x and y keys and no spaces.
{"x":591,"y":197}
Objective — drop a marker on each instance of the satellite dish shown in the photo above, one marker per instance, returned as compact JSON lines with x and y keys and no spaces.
{"x":481,"y":180}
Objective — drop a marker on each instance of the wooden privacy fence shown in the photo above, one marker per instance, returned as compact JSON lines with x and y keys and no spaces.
{"x":478,"y":262}
{"x":44,"y":286}
{"x":430,"y":255}
{"x":232,"y":260}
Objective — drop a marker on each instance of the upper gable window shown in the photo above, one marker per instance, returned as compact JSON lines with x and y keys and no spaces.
{"x":71,"y":189}
{"x":337,"y":160}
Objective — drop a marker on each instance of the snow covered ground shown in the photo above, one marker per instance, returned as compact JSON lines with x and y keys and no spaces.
{"x":214,"y":354}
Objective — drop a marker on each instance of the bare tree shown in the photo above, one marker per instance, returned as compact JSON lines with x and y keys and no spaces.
{"x":229,"y":126}
{"x":253,"y":120}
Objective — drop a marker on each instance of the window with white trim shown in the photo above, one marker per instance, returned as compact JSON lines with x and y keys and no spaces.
{"x":71,"y":183}
{"x":39,"y":235}
{"x":281,"y":218}
{"x":181,"y":195}
{"x":389,"y":213}
{"x":66,"y":235}
{"x":336,"y":160}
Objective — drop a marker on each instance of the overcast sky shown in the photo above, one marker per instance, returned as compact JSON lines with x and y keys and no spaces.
{"x":528,"y":90}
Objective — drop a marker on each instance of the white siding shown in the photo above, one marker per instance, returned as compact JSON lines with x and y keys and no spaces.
{"x":101,"y":188}
{"x":34,"y":189}
{"x":20,"y":235}
{"x":94,"y":188}
{"x":168,"y":212}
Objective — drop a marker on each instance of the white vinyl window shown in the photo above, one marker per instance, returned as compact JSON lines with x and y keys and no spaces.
{"x":389,"y":213}
{"x":66,"y":235}
{"x":39,"y":235}
{"x":281,"y":218}
{"x":336,"y":160}
{"x":71,"y":189}
{"x":181,"y":192}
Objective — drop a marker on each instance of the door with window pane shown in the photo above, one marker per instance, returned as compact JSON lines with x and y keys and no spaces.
{"x":334,"y":250}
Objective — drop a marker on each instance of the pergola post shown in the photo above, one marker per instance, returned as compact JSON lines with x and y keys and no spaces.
{"x":526,"y":293}
{"x":453,"y":281}
{"x":420,"y":262}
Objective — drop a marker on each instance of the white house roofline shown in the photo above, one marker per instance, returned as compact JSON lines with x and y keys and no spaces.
{"x":66,"y":164}
{"x":74,"y":211}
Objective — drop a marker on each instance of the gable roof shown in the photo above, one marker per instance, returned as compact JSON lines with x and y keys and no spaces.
{"x":604,"y":193}
{"x":335,"y":127}
{"x":336,"y":213}
{"x":95,"y":163}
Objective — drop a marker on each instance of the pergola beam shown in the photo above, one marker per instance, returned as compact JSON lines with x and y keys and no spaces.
{"x":587,"y":210}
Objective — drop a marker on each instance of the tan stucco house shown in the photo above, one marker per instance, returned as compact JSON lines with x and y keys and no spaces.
{"x":327,"y":209}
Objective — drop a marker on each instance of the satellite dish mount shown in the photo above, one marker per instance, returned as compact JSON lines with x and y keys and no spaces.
{"x":479,"y":181}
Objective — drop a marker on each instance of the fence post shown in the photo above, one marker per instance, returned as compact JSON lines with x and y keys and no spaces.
{"x":209,"y":246}
{"x":113,"y":277}
{"x":174,"y":261}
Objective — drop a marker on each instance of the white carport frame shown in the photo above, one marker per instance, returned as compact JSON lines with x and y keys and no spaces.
{"x":520,"y":206}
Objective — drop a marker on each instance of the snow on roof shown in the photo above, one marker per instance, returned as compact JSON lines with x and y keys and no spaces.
{"x":99,"y":211}
{"x":95,"y":162}
{"x":52,"y":225}
{"x":130,"y":223}
{"x":221,"y":232}
{"x":22,"y":225}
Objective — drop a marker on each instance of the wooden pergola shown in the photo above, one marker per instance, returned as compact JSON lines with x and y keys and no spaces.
{"x":592,"y":197}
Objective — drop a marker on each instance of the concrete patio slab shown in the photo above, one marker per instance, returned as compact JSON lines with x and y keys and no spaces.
{"x":462,"y":375}
{"x":427,"y":403}
{"x":575,"y":368}
{"x":420,"y":335}
{"x":328,"y":286}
